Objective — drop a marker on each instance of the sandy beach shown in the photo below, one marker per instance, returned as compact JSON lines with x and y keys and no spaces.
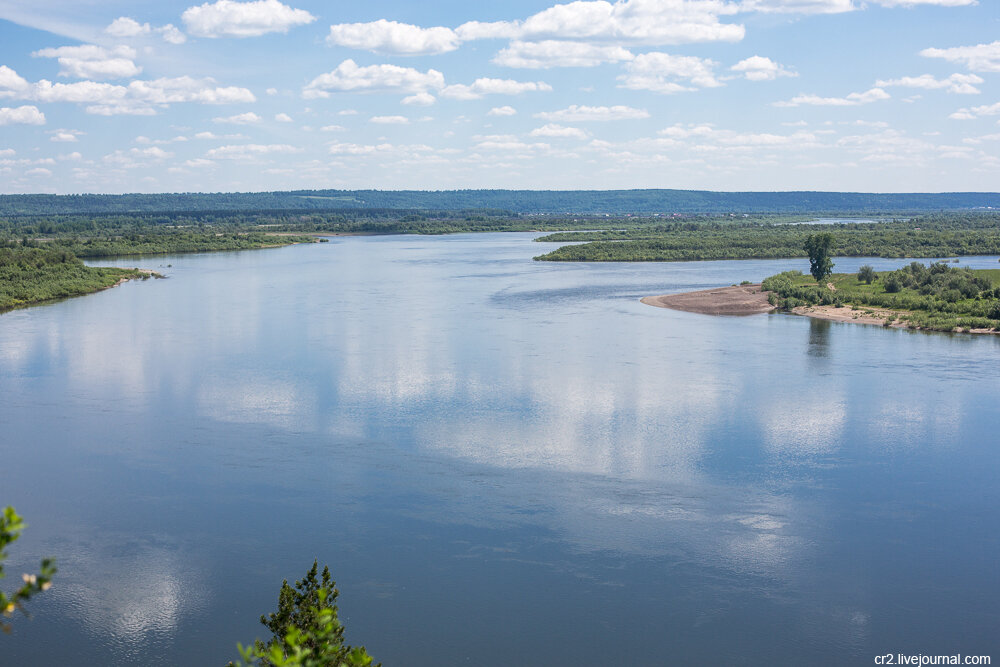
{"x":735,"y":300}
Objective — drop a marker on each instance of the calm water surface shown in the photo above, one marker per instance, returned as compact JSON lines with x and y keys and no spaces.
{"x":504,"y":462}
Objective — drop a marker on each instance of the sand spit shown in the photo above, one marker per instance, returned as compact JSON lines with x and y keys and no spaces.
{"x":735,"y":300}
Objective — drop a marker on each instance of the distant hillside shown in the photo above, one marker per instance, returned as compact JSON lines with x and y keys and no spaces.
{"x":616,"y":202}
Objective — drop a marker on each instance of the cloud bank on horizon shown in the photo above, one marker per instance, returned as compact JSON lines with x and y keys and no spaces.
{"x":883,"y":95}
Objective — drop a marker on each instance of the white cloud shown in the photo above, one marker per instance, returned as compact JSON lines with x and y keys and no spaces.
{"x":384,"y":36}
{"x":556,"y":130}
{"x":350,"y":77}
{"x":507,"y":142}
{"x":348,"y":112}
{"x":171,"y":34}
{"x":247,"y":118}
{"x":65,"y":136}
{"x":621,"y":22}
{"x":226,"y":18}
{"x":26,"y":115}
{"x":555,"y":53}
{"x":964,"y":84}
{"x":420,"y":99}
{"x":357,"y":149}
{"x":332,"y":128}
{"x":11,"y":83}
{"x":238,"y":151}
{"x":485,"y":86}
{"x":854,"y":99}
{"x":979,"y":58}
{"x":93,"y":62}
{"x":389,"y":120}
{"x":575,"y":112}
{"x":38,"y":171}
{"x":7,"y":152}
{"x":502,"y":111}
{"x":124,"y":26}
{"x":73,"y":157}
{"x":976,"y":112}
{"x":798,"y":6}
{"x":759,"y":68}
{"x":283,"y":118}
{"x":199,"y":162}
{"x":658,"y":72}
{"x":139,"y":97}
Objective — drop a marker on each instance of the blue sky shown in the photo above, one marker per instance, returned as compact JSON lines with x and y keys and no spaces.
{"x":881,"y":95}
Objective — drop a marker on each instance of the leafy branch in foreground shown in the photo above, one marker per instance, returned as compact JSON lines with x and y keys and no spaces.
{"x":307,"y":630}
{"x":11,"y":526}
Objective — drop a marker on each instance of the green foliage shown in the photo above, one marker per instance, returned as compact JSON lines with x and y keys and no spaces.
{"x":33,"y":275}
{"x":306,"y":629}
{"x":11,"y":527}
{"x":937,"y":235}
{"x":866,"y":274}
{"x":819,"y":247}
{"x":936,"y":297}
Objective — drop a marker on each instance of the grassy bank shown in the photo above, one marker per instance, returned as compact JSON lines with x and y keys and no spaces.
{"x":935,"y":297}
{"x":35,"y":275}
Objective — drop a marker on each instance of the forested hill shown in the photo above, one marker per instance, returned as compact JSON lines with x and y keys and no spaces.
{"x":615,"y":202}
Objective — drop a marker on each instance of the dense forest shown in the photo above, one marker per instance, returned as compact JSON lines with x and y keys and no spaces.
{"x":938,"y":296}
{"x":935,"y":235}
{"x":547,"y":202}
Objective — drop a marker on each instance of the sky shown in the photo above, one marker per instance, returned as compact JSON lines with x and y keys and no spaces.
{"x":110,"y":96}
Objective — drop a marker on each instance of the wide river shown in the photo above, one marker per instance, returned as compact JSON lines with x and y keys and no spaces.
{"x":504,"y":462}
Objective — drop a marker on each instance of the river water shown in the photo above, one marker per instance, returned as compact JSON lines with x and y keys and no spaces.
{"x":504,"y":462}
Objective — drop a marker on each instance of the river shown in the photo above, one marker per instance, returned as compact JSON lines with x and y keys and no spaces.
{"x":503,"y":462}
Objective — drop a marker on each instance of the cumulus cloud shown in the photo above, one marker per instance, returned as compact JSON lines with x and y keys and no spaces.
{"x":38,"y":171}
{"x":227,"y":18}
{"x":854,"y":99}
{"x":976,"y":112}
{"x":238,"y":151}
{"x":978,"y":58}
{"x":659,"y":72}
{"x":124,"y":26}
{"x":556,"y":130}
{"x":502,"y":111}
{"x":420,"y":99}
{"x":555,"y":53}
{"x":283,"y":118}
{"x":759,"y":68}
{"x":248,"y":118}
{"x":350,"y":77}
{"x":171,"y":34}
{"x":138,"y":97}
{"x":384,"y":36}
{"x":963,"y":84}
{"x":575,"y":112}
{"x":65,"y":136}
{"x":389,"y":120}
{"x":93,"y":62}
{"x":25,"y":115}
{"x":621,"y":22}
{"x":486,"y":86}
{"x":798,"y":6}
